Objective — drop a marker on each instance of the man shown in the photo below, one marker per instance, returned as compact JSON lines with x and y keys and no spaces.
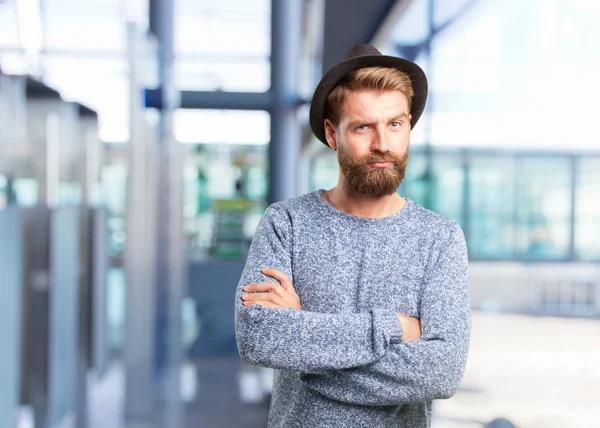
{"x":356,"y":296}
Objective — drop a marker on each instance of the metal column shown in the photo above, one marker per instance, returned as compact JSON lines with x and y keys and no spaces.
{"x":171,"y":262}
{"x":284,"y":149}
{"x":429,"y":174}
{"x":139,"y":258}
{"x":11,"y":266}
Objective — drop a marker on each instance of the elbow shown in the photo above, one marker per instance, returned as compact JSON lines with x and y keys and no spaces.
{"x":451,"y":373}
{"x":447,"y":391}
{"x":249,"y":353}
{"x":247,"y":356}
{"x":247,"y":348}
{"x":447,"y":388}
{"x":248,"y":343}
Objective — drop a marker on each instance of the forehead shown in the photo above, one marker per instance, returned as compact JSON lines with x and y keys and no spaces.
{"x":375,"y":104}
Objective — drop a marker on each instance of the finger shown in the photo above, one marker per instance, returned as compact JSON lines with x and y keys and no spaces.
{"x":261,"y":303}
{"x":285,"y":280}
{"x":271,"y":287}
{"x":268,"y":297}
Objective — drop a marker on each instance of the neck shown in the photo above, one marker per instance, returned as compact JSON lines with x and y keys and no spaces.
{"x":347,"y":200}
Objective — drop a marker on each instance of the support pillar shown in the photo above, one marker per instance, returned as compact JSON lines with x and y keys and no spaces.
{"x":284,"y":148}
{"x":171,"y":260}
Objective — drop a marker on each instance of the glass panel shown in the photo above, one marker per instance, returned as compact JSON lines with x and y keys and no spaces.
{"x":324,"y":172}
{"x":225,"y":195}
{"x":3,"y":192}
{"x":543,"y":208}
{"x":114,"y":188}
{"x":414,"y":185}
{"x":447,"y":186}
{"x":587,"y":209}
{"x":491,"y":207}
{"x":25,"y":191}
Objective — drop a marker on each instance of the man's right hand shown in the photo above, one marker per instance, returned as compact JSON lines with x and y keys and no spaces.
{"x":411,"y":327}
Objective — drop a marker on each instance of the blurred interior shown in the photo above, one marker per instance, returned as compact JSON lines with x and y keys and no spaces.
{"x":142,"y":140}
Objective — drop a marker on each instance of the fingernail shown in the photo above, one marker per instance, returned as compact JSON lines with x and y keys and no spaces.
{"x":246,"y":288}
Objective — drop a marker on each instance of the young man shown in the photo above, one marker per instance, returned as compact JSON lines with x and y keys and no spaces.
{"x":356,"y":296}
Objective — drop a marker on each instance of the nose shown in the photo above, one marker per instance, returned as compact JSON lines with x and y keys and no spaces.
{"x":379,"y":143}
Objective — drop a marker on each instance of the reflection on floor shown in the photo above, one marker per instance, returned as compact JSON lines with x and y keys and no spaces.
{"x":218,"y":403}
{"x":535,"y":372}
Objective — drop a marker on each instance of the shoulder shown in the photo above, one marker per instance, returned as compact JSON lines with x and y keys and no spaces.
{"x":283,"y":217}
{"x":435,"y":226}
{"x":305,"y":204}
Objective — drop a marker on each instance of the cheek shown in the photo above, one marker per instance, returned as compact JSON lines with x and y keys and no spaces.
{"x":400,"y":139}
{"x":357,"y":145}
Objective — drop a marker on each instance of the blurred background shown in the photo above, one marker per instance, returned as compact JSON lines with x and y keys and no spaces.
{"x":142,"y":140}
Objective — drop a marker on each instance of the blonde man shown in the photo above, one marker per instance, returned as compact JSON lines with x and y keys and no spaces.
{"x":356,"y":296}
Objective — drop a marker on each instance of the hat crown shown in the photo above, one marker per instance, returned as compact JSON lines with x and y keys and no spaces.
{"x":362,"y":50}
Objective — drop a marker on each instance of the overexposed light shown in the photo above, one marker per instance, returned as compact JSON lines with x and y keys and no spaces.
{"x":222,"y":126}
{"x":13,"y":63}
{"x":30,"y":26}
{"x":113,"y":133}
{"x":515,"y":89}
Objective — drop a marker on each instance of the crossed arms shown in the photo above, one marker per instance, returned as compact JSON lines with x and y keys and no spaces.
{"x":358,"y":358}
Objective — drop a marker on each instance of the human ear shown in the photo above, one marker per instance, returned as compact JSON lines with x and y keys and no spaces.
{"x":330,"y":134}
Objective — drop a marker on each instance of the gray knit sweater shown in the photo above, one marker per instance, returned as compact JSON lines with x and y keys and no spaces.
{"x":340,"y":362}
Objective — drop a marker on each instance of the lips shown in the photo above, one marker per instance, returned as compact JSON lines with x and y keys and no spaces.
{"x":381,"y":164}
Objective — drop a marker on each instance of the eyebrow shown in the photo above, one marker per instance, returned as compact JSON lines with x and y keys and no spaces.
{"x":369,"y":121}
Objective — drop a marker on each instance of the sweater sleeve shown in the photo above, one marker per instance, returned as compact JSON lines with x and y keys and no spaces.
{"x":300,"y":340}
{"x":422,"y":370}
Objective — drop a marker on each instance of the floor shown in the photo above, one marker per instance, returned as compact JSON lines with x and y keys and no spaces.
{"x":218,"y":403}
{"x":534,"y":372}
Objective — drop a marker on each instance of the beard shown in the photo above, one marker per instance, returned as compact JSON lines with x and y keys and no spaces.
{"x":372,"y":181}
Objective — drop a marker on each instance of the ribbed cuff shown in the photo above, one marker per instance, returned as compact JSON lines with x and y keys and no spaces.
{"x":389,"y":323}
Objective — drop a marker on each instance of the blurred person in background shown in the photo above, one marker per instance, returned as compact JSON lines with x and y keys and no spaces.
{"x":356,"y":296}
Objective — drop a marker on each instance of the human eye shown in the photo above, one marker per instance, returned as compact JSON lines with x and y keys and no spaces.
{"x":396,"y":124}
{"x":361,"y":127}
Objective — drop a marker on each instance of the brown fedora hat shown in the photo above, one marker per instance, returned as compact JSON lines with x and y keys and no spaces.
{"x":363,"y":56}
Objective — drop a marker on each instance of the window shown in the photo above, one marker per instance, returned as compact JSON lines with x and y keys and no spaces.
{"x":491,"y":209}
{"x":447,"y":186}
{"x":543,"y":198}
{"x":324,"y":172}
{"x":587,"y":209}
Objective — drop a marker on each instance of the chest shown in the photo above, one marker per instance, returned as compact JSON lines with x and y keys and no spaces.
{"x":356,"y":271}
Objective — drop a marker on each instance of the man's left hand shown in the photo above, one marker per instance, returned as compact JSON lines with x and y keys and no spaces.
{"x":272,"y":294}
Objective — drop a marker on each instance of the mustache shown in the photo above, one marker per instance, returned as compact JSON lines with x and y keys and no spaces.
{"x":381,"y":157}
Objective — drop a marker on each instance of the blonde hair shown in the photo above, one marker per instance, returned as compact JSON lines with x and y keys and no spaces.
{"x":379,"y":79}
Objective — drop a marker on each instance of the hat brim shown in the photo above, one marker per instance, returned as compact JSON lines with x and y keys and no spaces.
{"x":337,"y":73}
